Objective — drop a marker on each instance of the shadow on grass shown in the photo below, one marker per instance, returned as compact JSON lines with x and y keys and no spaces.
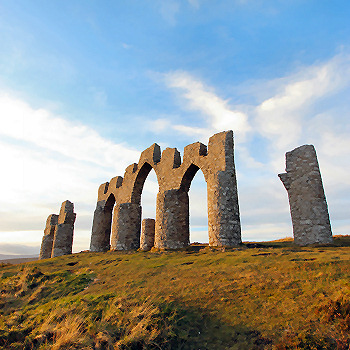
{"x":46,"y":311}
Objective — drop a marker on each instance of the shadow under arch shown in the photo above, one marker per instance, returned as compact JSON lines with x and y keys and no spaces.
{"x":100,"y":242}
{"x":185,"y":186}
{"x":188,"y":177}
{"x":110,"y":202}
{"x":141,"y":238}
{"x":140,"y":181}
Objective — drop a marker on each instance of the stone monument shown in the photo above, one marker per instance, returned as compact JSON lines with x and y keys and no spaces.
{"x":117,"y":218}
{"x":308,"y":206}
{"x":63,"y":240}
{"x":49,"y":234}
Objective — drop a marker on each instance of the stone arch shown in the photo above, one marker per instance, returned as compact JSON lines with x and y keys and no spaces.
{"x":110,"y":202}
{"x":186,"y":181}
{"x":100,"y":240}
{"x":127,"y":214}
{"x":174,"y":179}
{"x":139,"y":182}
{"x":189,"y":175}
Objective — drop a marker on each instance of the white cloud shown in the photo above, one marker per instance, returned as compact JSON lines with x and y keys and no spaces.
{"x":281,"y":117}
{"x":46,"y":160}
{"x":307,"y":107}
{"x":43,"y":129}
{"x":219,"y":115}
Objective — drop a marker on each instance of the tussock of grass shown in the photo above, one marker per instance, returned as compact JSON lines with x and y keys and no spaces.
{"x":274,"y":296}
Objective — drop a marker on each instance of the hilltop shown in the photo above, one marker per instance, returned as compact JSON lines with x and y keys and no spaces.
{"x":272,"y":295}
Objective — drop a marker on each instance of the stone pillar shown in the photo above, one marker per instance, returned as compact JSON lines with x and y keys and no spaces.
{"x":308,"y":206}
{"x":101,"y":228}
{"x":172,"y":220}
{"x":49,"y":233}
{"x":63,"y":240}
{"x":147,"y":234}
{"x":224,"y":226}
{"x":126,"y":227}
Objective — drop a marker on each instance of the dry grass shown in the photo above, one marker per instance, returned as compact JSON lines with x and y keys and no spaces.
{"x":277,"y":296}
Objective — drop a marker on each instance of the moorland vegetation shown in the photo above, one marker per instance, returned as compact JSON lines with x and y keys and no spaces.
{"x":271,"y":295}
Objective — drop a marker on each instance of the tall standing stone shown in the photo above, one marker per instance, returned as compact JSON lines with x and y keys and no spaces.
{"x":307,"y":200}
{"x":224,"y":223}
{"x":49,"y":233}
{"x":63,"y":240}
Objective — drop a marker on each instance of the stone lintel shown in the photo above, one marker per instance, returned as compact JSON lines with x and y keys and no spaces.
{"x":171,"y":158}
{"x":194,"y":150}
{"x":102,"y":190}
{"x":115,"y":182}
{"x":131,"y":169}
{"x":151,"y":155}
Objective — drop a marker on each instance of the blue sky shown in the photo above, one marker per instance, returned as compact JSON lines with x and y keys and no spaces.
{"x":85,"y":86}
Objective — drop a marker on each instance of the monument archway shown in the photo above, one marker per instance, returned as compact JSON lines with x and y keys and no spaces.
{"x":172,"y":214}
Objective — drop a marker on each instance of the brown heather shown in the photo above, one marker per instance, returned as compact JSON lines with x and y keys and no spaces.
{"x":273,"y":295}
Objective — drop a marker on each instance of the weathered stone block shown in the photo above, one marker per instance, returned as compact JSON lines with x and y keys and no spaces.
{"x":174,"y":180}
{"x":171,"y":158}
{"x":194,"y":150}
{"x":172,"y":220}
{"x":308,"y":206}
{"x":151,"y":155}
{"x":147,"y":234}
{"x":49,"y":233}
{"x":224,"y":224}
{"x":101,"y":228}
{"x":63,"y":239}
{"x":126,"y":226}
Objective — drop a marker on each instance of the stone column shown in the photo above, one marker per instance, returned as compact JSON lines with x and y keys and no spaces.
{"x":63,"y":240}
{"x":101,"y":228}
{"x":49,"y":233}
{"x":147,"y":234}
{"x":224,"y":226}
{"x":126,"y":226}
{"x":172,"y":220}
{"x":308,"y":206}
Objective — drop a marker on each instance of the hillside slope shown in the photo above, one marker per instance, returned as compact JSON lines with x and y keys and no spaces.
{"x":277,"y":296}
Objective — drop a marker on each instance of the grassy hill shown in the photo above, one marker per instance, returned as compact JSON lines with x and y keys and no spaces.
{"x":268,"y":296}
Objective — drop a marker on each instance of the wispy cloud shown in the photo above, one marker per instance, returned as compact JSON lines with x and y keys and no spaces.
{"x":297,"y":109}
{"x":198,"y":97}
{"x":282,"y":116}
{"x":43,"y":129}
{"x":169,"y":9}
{"x":48,"y":159}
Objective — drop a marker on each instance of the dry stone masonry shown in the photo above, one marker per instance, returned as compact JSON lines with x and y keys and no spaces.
{"x":49,"y":234}
{"x":117,"y":218}
{"x":58,"y":234}
{"x":307,"y":200}
{"x":147,"y":234}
